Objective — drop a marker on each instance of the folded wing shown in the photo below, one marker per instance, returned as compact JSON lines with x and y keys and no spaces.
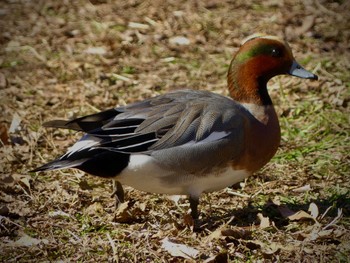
{"x":176,"y":129}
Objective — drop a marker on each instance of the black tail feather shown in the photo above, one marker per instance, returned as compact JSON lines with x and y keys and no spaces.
{"x":99,"y":162}
{"x":57,"y":165}
{"x":62,"y":124}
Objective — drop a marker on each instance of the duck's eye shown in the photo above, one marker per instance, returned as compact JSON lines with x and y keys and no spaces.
{"x":276,"y":52}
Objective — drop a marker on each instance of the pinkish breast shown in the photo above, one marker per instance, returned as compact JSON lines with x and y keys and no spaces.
{"x":262,"y":138}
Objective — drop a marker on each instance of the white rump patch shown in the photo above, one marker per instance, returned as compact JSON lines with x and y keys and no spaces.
{"x":145,"y":174}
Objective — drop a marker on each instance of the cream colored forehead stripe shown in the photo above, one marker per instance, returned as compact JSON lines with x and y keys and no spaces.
{"x":260,"y":35}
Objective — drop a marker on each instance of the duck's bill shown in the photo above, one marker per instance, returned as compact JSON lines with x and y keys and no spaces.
{"x":298,"y":71}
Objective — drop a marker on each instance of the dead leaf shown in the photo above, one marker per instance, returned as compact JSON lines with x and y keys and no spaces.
{"x":27,"y":241}
{"x":339,"y":232}
{"x":94,"y":209}
{"x":123,"y":213}
{"x":16,"y":120}
{"x":264,"y":221}
{"x":179,"y":250}
{"x":22,"y":179}
{"x":73,"y":65}
{"x":271,"y":248}
{"x":302,"y":189}
{"x":308,"y":250}
{"x":300,"y":215}
{"x":135,"y":25}
{"x":326,"y":233}
{"x":58,"y":214}
{"x":313,"y":209}
{"x":142,"y":207}
{"x":314,"y":234}
{"x":276,"y":201}
{"x":214,"y":235}
{"x":26,"y":182}
{"x":168,"y":59}
{"x":175,"y":198}
{"x":95,"y":50}
{"x":233,"y":233}
{"x":238,"y":233}
{"x":4,"y":137}
{"x":179,"y":40}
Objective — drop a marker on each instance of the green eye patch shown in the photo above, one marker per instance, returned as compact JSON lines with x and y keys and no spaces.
{"x":255,"y":51}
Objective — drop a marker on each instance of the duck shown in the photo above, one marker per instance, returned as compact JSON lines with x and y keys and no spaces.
{"x":188,"y":142}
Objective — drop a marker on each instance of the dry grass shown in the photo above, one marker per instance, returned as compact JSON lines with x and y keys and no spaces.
{"x":49,"y":69}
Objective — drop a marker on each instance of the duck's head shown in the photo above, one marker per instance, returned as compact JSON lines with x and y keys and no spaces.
{"x":260,"y":58}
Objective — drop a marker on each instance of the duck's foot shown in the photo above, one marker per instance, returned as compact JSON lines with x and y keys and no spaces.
{"x":118,"y":193}
{"x":191,"y":223}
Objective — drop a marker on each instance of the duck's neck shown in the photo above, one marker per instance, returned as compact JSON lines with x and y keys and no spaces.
{"x":245,"y":84}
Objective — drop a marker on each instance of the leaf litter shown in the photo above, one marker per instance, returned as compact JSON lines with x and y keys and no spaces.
{"x":62,"y":60}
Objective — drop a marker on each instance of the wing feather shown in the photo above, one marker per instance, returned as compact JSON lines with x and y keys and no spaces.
{"x":165,"y":122}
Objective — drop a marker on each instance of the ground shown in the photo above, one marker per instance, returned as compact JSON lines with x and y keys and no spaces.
{"x":61,"y":59}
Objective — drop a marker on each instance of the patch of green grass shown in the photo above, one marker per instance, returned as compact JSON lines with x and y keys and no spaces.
{"x":11,"y":63}
{"x":194,"y":64}
{"x":261,"y":7}
{"x":98,"y":27}
{"x":342,"y":257}
{"x":315,"y":135}
{"x":306,"y":60}
{"x":128,"y":70}
{"x":338,"y":192}
{"x":290,"y":200}
{"x":328,"y":64}
{"x":88,"y":226}
{"x":30,"y":232}
{"x":119,"y":27}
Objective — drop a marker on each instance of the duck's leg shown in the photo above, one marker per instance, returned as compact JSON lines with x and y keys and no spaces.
{"x":194,"y":201}
{"x":118,"y":193}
